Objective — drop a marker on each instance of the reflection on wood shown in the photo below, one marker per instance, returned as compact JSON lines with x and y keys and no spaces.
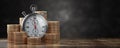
{"x":78,"y":43}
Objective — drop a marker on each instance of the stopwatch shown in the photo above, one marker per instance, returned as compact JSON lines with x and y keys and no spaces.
{"x":34,"y":24}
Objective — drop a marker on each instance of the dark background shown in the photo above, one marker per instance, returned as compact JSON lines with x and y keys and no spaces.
{"x":79,"y":18}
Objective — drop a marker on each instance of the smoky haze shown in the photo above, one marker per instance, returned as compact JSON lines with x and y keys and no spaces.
{"x":82,"y":18}
{"x":78,"y":18}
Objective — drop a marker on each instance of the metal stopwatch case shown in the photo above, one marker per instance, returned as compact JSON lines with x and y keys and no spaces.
{"x":34,"y":24}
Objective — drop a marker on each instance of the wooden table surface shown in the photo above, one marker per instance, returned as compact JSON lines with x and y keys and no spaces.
{"x":81,"y":43}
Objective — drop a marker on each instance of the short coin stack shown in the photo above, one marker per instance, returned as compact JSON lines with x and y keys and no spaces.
{"x":20,"y":38}
{"x":15,"y":36}
{"x":11,"y":28}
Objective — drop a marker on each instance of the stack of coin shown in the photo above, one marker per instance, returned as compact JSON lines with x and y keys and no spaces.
{"x":53,"y":27}
{"x":20,"y":22}
{"x":33,"y":40}
{"x":51,"y":38}
{"x":43,"y":13}
{"x":11,"y":28}
{"x":20,"y":38}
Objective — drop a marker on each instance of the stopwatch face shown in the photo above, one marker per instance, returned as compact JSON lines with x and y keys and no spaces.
{"x":35,"y":25}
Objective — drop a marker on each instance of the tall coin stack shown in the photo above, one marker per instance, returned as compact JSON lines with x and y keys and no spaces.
{"x":11,"y":28}
{"x":52,"y":35}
